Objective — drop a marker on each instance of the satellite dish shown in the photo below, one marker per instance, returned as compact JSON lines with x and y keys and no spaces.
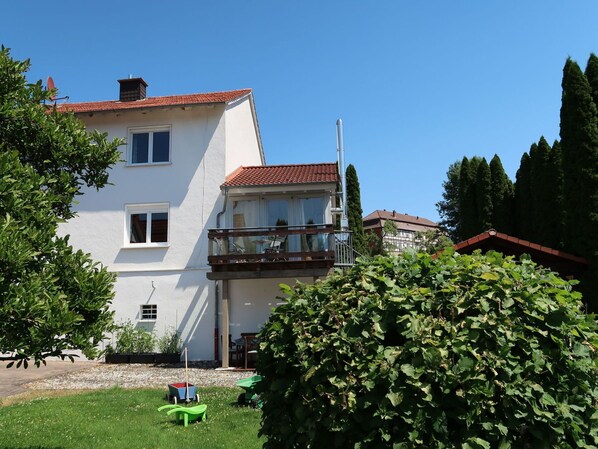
{"x":51,"y":86}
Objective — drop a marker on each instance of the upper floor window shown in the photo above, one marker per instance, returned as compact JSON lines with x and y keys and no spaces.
{"x":149,"y":145}
{"x":147,"y":225}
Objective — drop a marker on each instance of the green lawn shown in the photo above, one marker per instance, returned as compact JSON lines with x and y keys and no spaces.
{"x":118,"y":418}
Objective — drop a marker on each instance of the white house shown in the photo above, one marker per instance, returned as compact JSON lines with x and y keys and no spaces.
{"x":192,"y":163}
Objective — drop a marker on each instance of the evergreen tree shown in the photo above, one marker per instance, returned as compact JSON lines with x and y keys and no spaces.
{"x":467,"y":205}
{"x":502,"y":197}
{"x":579,"y":143}
{"x":448,"y":207}
{"x":592,"y":76}
{"x":523,"y":200}
{"x":541,"y":203}
{"x":554,"y":194}
{"x":354,"y":210}
{"x":483,"y":198}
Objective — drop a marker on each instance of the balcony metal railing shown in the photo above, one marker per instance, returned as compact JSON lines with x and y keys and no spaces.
{"x":343,"y":248}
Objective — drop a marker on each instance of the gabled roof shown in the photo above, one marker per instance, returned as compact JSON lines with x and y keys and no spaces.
{"x":564,"y":263}
{"x":154,"y":102}
{"x":379,"y":215}
{"x":269,"y":175}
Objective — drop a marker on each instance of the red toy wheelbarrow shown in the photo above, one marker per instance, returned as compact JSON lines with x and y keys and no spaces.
{"x":182,"y":391}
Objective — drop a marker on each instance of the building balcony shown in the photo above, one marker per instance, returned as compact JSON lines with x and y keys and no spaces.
{"x":277,"y":252}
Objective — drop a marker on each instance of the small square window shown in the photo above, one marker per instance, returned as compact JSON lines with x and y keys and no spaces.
{"x":149,"y":312}
{"x":147,"y":225}
{"x":149,"y":146}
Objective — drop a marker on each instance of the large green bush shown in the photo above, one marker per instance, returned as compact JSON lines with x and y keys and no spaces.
{"x":416,"y":352}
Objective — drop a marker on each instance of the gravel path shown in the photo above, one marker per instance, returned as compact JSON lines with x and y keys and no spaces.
{"x":137,"y":376}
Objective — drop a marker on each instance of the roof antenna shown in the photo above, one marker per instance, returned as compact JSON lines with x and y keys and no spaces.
{"x":340,"y":149}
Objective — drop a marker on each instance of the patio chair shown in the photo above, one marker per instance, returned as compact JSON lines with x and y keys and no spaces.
{"x":189,"y":414}
{"x":277,"y":245}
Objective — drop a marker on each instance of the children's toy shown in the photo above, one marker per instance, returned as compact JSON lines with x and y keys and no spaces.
{"x":189,"y":414}
{"x":250,"y":397}
{"x":182,"y":391}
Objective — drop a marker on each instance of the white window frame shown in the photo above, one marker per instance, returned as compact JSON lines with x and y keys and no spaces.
{"x":150,"y":311}
{"x":131,"y":209}
{"x":150,"y":151}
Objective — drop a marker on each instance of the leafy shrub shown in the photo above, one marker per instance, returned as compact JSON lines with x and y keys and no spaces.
{"x":132,"y":340}
{"x":416,"y":352}
{"x":170,"y":342}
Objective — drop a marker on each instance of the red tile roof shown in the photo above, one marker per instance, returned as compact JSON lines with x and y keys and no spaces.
{"x":474,"y":242}
{"x":564,"y":263}
{"x":282,"y":175}
{"x":154,"y":102}
{"x":379,"y":215}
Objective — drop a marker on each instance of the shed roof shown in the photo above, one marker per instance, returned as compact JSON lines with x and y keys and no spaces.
{"x":565,"y":264}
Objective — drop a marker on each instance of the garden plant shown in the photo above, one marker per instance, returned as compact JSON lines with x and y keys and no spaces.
{"x":455,"y":351}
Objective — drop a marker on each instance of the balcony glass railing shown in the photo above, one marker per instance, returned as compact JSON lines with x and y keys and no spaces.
{"x":271,"y":244}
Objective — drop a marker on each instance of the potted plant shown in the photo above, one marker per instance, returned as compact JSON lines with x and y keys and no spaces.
{"x":169,"y":347}
{"x":143,"y":347}
{"x":133,"y":345}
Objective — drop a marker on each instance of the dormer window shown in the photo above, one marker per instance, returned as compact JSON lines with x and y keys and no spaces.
{"x":149,"y":146}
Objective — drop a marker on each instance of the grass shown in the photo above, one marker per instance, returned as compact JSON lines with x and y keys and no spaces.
{"x":118,"y":418}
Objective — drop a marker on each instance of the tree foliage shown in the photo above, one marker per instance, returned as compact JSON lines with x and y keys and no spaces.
{"x":523,"y":197}
{"x":354,"y":210}
{"x":501,"y":197}
{"x":447,"y":352}
{"x":483,"y":198}
{"x":53,"y":299}
{"x":448,"y":208}
{"x":579,"y":143}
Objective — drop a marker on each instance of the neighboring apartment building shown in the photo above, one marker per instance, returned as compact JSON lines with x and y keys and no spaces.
{"x":193,"y":163}
{"x":407,"y":229}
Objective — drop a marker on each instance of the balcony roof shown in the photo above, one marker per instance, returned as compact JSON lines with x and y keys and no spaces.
{"x":271,"y":175}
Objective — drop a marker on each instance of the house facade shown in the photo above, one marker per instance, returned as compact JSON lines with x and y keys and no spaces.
{"x":407,"y":227}
{"x":179,"y":179}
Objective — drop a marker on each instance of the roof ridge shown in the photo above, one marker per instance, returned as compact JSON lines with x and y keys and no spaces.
{"x":289,"y":165}
{"x":160,"y":97}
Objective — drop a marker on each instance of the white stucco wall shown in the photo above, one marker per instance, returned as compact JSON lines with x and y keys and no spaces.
{"x":242,"y":137}
{"x":252,"y":300}
{"x":185,"y":302}
{"x":172,"y":277}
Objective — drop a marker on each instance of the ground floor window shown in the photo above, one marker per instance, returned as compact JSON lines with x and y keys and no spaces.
{"x":149,"y":312}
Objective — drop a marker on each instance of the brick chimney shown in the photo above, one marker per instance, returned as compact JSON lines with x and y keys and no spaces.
{"x":132,"y":89}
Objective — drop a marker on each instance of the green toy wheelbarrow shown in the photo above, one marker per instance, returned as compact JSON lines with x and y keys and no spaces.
{"x":250,"y":397}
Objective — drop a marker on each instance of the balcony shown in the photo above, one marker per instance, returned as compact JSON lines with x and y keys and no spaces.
{"x":277,"y":252}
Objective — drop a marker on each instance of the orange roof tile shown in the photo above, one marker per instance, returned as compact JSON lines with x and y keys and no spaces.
{"x":154,"y":102}
{"x":282,"y":175}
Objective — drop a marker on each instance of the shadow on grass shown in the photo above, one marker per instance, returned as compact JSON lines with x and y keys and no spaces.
{"x":32,"y":447}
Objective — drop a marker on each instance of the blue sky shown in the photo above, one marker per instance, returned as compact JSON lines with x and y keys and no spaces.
{"x":418,"y":84}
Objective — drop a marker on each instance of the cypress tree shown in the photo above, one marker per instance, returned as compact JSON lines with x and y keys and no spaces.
{"x":554,"y":194}
{"x":523,"y":198}
{"x":592,"y":76}
{"x":354,"y":211}
{"x":448,"y":207}
{"x":541,"y":205}
{"x":579,"y":143}
{"x":466,"y":227}
{"x":501,"y":196}
{"x":483,"y":197}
